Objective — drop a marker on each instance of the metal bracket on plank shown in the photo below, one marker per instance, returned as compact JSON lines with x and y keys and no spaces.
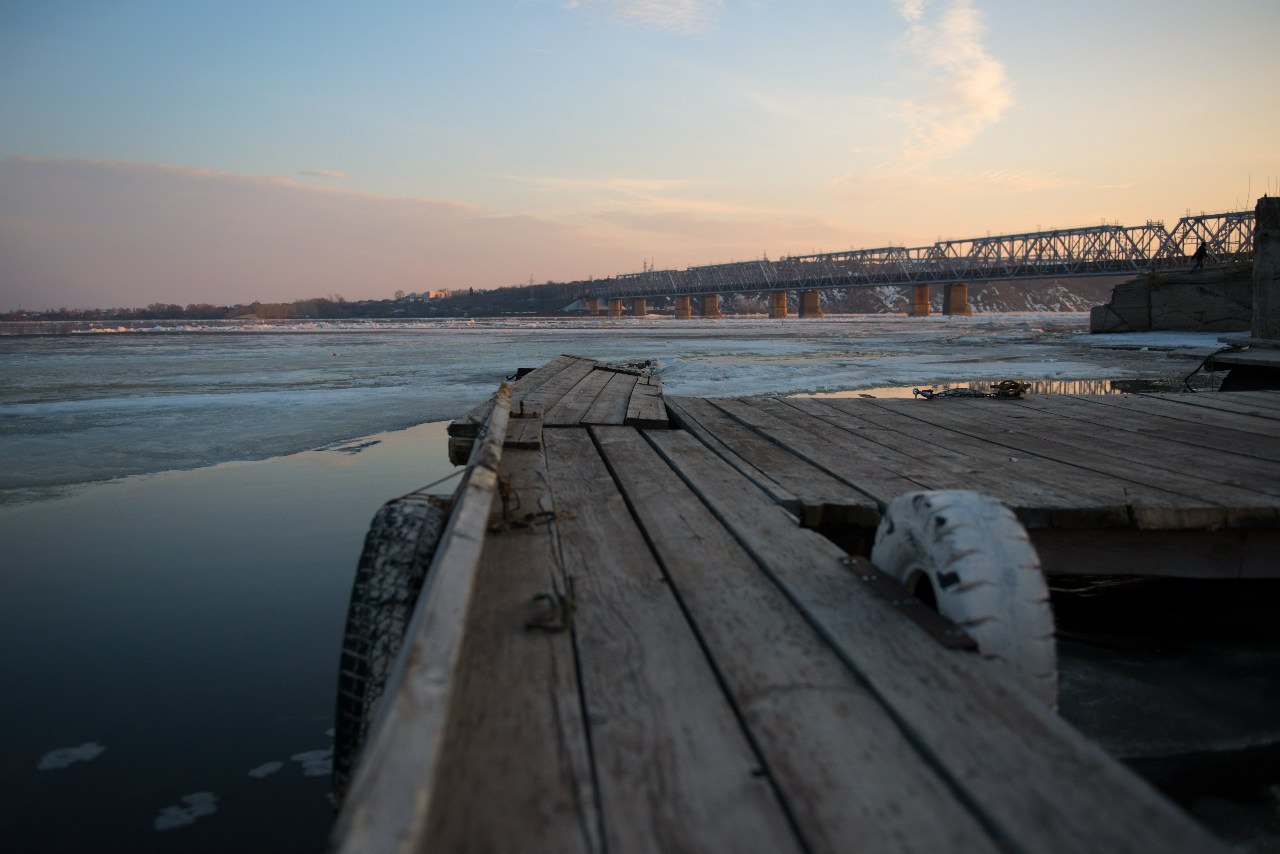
{"x":937,"y":626}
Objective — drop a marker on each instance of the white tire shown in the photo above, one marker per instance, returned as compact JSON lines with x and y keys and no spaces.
{"x":968,"y":555}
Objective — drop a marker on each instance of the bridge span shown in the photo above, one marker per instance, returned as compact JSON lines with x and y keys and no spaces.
{"x":1099,"y":250}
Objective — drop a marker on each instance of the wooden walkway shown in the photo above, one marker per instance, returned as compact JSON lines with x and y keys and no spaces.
{"x":629,"y":642}
{"x":1163,"y":484}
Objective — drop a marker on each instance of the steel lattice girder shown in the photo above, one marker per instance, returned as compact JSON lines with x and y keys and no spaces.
{"x":1057,"y":253}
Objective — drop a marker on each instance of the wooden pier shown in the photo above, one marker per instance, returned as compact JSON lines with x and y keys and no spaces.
{"x":639,"y":634}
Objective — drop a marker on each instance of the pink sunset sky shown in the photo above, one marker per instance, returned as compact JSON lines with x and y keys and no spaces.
{"x":159,"y":152}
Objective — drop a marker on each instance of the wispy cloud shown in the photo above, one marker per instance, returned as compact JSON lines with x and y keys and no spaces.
{"x":912,"y":10}
{"x":963,"y":89}
{"x":681,"y":16}
{"x":639,"y":196}
{"x":329,"y":174}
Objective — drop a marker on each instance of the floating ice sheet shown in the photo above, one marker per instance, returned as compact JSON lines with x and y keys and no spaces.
{"x":193,"y":806}
{"x":65,"y":757}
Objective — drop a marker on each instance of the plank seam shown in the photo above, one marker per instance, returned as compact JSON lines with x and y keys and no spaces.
{"x":1028,"y":452}
{"x":721,"y":682}
{"x":795,"y":452}
{"x":998,"y":835}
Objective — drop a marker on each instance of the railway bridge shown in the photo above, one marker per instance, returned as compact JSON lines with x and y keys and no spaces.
{"x":1099,"y":250}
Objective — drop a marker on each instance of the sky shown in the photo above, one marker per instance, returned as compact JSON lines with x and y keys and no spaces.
{"x":222,"y":152}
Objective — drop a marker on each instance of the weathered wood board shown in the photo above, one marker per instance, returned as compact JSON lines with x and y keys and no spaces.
{"x":639,"y":647}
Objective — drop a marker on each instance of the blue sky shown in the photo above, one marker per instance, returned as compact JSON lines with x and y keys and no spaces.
{"x":190,"y":152}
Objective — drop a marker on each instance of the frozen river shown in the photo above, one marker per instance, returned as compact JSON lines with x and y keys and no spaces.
{"x":171,"y":612}
{"x":89,"y":407}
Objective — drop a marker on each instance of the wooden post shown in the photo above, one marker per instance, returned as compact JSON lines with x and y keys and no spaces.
{"x":1266,"y":268}
{"x":638,"y":307}
{"x":711,"y":305}
{"x":683,"y":308}
{"x":810,"y":304}
{"x":778,"y":305}
{"x":615,"y":307}
{"x":919,"y":305}
{"x":956,"y":299}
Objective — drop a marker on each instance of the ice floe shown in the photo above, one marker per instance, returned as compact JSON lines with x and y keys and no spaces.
{"x":193,"y":806}
{"x":266,"y":769}
{"x":65,"y":757}
{"x":315,"y":763}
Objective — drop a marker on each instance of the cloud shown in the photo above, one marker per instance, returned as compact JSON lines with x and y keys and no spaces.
{"x":686,"y":17}
{"x":962,"y":89}
{"x":912,"y":10}
{"x":330,"y":174}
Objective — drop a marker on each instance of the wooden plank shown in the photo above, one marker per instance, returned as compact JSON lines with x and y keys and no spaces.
{"x":384,"y":810}
{"x":524,"y":433}
{"x":545,"y":396}
{"x":941,"y":460}
{"x":674,"y":769}
{"x":1145,"y":506}
{"x":568,"y":410}
{"x":1190,"y":434}
{"x":1239,"y":485}
{"x":1164,"y":498}
{"x":856,"y":472}
{"x":646,"y":408}
{"x":515,"y":771}
{"x":1266,"y":400}
{"x":790,"y":479}
{"x":1224,"y":402}
{"x":468,"y":425}
{"x":1235,"y":553}
{"x":611,"y":406}
{"x":1017,"y":765}
{"x":821,"y":734}
{"x":687,"y":413}
{"x":1206,"y":416}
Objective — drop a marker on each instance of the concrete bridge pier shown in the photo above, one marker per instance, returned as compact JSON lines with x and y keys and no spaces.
{"x":711,"y":306}
{"x":955,"y":300}
{"x":684,"y":309}
{"x":615,"y":307}
{"x":639,"y":308}
{"x":593,"y":305}
{"x":810,"y":305}
{"x":919,"y":305}
{"x":777,"y":305}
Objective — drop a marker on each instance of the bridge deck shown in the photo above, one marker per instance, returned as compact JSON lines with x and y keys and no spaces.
{"x":629,"y":642}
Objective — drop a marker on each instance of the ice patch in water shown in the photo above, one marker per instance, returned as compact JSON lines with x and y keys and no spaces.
{"x":64,"y":757}
{"x":266,"y":769}
{"x":315,"y":763}
{"x":197,"y":804}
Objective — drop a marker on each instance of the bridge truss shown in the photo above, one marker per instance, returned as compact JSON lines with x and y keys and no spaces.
{"x":1099,"y":250}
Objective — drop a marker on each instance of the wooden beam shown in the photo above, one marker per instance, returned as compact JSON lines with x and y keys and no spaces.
{"x":646,"y":408}
{"x":674,"y":769}
{"x":387,"y":806}
{"x":515,"y":772}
